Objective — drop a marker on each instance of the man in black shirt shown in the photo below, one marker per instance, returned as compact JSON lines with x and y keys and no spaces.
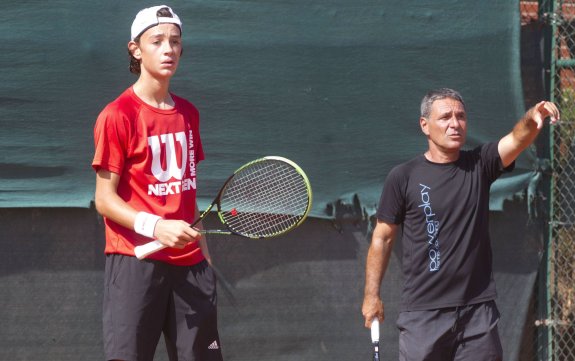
{"x":441,"y":201}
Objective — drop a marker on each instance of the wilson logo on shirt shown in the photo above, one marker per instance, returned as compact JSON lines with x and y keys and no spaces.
{"x":171,"y":174}
{"x":431,"y":228}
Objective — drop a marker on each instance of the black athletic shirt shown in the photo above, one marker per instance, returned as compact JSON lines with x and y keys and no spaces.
{"x":444,"y":213}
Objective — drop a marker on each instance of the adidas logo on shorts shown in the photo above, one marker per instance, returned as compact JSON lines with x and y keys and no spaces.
{"x":214,"y":346}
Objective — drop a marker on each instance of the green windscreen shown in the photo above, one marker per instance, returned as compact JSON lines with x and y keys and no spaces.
{"x":333,"y":85}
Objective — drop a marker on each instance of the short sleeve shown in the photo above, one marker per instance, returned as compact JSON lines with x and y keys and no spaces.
{"x":392,"y":201}
{"x":111,"y":134}
{"x":491,"y":160}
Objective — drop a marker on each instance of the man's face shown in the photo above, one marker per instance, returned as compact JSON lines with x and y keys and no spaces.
{"x":446,"y":125}
{"x":159,"y":50}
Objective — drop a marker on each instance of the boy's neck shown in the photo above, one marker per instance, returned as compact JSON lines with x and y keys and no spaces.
{"x":153,"y":92}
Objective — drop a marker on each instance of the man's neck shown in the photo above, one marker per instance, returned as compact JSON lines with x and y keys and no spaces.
{"x":438,"y":156}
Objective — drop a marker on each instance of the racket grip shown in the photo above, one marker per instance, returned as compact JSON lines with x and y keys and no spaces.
{"x":146,"y":249}
{"x":375,"y":330}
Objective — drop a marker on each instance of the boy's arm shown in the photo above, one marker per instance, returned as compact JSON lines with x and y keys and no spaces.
{"x":172,"y":233}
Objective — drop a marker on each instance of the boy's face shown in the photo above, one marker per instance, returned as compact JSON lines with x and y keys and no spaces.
{"x":159,"y":50}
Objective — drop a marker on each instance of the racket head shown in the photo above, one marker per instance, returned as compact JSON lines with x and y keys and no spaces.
{"x":265,"y":198}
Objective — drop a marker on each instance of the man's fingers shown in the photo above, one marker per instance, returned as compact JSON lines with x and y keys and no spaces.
{"x":554,"y":114}
{"x":544,"y":110}
{"x":372,"y":309}
{"x":369,"y":320}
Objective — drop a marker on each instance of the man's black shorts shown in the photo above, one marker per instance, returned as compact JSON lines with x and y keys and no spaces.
{"x":450,"y":334}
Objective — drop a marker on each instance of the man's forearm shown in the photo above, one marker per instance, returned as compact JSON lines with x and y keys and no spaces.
{"x":378,"y":257}
{"x":377,"y":261}
{"x":525,"y":131}
{"x":374,"y":270}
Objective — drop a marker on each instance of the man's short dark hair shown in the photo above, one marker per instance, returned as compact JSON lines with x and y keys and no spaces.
{"x":438,"y":94}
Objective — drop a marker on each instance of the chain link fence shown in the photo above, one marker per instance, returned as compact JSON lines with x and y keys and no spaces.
{"x":556,"y":297}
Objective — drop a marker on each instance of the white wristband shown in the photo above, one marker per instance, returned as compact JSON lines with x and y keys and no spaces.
{"x":145,"y":224}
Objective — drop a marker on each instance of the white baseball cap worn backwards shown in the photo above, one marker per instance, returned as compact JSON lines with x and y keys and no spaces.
{"x":148,"y":18}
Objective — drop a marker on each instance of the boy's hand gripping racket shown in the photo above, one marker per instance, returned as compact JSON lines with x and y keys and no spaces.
{"x":264,"y":198}
{"x":375,"y":338}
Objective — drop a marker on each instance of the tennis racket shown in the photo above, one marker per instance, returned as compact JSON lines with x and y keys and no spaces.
{"x":264,"y":198}
{"x":375,"y":338}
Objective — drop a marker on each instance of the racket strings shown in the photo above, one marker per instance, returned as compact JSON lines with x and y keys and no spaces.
{"x":265,"y":199}
{"x":267,"y":209}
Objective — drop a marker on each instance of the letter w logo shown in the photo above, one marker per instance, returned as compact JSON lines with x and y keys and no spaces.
{"x":172,"y":169}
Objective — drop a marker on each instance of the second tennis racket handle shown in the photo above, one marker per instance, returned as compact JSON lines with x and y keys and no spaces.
{"x":148,"y":248}
{"x":375,"y":330}
{"x":375,"y":338}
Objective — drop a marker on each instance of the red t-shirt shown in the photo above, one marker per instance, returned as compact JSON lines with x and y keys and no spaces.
{"x":155,"y":152}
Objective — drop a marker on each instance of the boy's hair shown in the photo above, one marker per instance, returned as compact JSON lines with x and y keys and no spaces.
{"x":135,"y":63}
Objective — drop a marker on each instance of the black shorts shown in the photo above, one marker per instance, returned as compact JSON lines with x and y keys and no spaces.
{"x":450,"y":334}
{"x":142,"y":299}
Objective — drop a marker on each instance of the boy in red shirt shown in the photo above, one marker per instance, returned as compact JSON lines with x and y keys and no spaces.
{"x":147,"y":147}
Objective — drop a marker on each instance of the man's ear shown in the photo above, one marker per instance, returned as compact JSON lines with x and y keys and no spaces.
{"x":135,"y":50}
{"x":424,"y":125}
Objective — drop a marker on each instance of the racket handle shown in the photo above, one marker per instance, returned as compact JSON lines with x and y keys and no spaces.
{"x":375,"y":338}
{"x":375,"y":330}
{"x":146,"y":249}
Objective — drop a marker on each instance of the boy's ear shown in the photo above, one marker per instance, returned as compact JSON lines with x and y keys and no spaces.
{"x":135,"y":50}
